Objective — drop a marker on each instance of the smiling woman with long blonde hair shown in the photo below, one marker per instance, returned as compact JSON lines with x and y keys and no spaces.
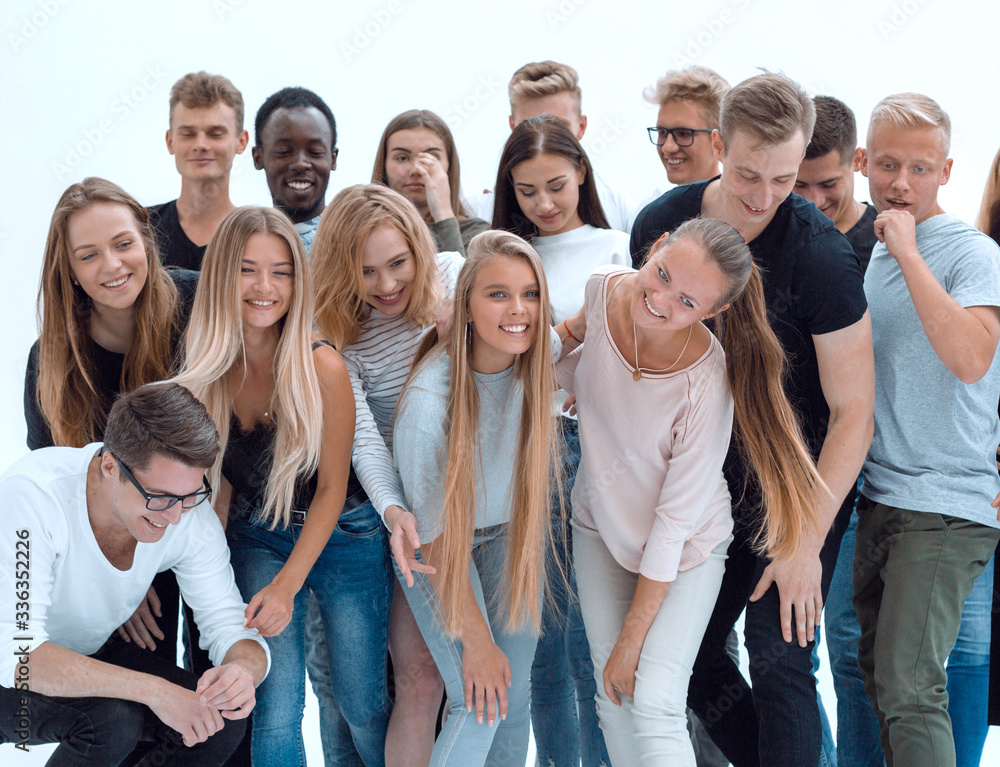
{"x":282,"y":402}
{"x":476,"y":450}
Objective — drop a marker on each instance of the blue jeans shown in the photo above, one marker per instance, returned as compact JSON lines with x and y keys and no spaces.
{"x":463,"y":742}
{"x":969,"y":672}
{"x":828,"y":755}
{"x":563,"y":710}
{"x":334,"y":732}
{"x":353,"y":589}
{"x":858,"y":736}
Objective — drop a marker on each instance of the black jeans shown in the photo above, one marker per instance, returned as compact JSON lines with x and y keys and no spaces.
{"x":778,"y":723}
{"x":109,"y":731}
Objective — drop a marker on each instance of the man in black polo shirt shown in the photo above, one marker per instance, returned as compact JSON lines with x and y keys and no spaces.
{"x":816,"y":305}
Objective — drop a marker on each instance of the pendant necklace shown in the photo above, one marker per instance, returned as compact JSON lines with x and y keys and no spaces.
{"x":637,"y":373}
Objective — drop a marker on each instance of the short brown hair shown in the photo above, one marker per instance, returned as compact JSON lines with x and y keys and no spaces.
{"x":702,"y":85}
{"x":835,"y":130}
{"x":161,"y":419}
{"x":769,"y":107}
{"x":200,"y":89}
{"x":544,"y":78}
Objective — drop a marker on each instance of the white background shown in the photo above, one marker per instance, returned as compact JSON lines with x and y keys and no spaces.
{"x":85,"y":85}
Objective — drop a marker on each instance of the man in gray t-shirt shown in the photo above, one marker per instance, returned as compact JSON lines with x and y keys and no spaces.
{"x":926,"y":527}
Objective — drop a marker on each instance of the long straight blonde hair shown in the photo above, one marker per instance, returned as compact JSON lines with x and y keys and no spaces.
{"x":66,"y":392}
{"x":215,"y":359}
{"x":538,"y":462}
{"x":344,"y":228}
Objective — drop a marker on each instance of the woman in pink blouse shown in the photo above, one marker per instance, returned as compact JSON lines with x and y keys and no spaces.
{"x":656,"y":393}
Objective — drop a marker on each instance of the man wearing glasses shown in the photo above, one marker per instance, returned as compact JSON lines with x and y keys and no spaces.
{"x":689,"y":101}
{"x":83,"y":533}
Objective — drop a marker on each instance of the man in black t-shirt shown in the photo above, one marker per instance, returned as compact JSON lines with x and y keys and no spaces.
{"x":826,"y":175}
{"x":205,"y":135}
{"x":816,"y":305}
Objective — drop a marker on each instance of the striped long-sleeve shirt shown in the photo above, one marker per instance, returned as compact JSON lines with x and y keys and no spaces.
{"x":379,"y":363}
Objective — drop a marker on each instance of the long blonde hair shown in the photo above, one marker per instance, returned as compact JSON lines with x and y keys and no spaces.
{"x":215,"y":360}
{"x":66,"y":391}
{"x":766,"y":428}
{"x":537,"y":452}
{"x":340,"y":241}
{"x":988,"y":220}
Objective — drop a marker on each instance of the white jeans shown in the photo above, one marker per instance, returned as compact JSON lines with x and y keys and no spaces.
{"x":650,"y":730}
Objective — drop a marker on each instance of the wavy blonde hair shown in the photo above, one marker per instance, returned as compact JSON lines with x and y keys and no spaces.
{"x":66,"y":392}
{"x":215,"y":360}
{"x":537,"y":452}
{"x":340,"y":241}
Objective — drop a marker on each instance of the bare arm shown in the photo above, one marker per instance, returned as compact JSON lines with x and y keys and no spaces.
{"x":619,"y":671}
{"x":847,"y":375}
{"x":270,"y":610}
{"x":963,"y":338}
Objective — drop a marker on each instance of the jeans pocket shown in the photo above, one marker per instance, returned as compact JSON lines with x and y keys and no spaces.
{"x":362,"y":522}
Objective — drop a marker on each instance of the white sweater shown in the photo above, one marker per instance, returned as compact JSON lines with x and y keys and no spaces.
{"x":75,"y":597}
{"x":379,"y":363}
{"x":571,"y":257}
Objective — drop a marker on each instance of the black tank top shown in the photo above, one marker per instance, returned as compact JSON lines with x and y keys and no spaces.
{"x":247,"y":465}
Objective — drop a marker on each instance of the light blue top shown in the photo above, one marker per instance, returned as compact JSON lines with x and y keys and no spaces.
{"x":935,"y":437}
{"x":420,"y":450}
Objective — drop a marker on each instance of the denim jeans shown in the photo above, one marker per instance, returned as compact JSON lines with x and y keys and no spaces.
{"x":828,"y":754}
{"x":352,"y":584}
{"x":108,"y":731}
{"x":563,"y":710}
{"x":778,"y":723}
{"x":334,"y":732}
{"x":969,"y":672}
{"x":858,"y":740}
{"x":463,"y":742}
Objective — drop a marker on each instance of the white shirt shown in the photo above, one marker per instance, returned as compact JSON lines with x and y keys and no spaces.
{"x":75,"y":597}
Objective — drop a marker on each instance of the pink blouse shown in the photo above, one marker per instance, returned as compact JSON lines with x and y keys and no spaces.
{"x":650,"y":479}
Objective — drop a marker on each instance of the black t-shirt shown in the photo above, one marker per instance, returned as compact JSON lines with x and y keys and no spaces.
{"x":176,"y":248}
{"x":813,"y":285}
{"x":247,"y":465}
{"x":862,"y":236}
{"x":104,"y":367}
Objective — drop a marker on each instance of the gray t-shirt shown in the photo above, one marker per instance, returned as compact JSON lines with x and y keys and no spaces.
{"x":935,"y":437}
{"x":420,"y":448}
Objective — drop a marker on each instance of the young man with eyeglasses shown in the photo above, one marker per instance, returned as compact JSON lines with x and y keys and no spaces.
{"x":689,"y":101}
{"x":86,"y":529}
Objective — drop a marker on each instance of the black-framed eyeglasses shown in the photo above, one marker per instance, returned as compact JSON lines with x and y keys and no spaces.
{"x":682,"y":136}
{"x":161,"y":502}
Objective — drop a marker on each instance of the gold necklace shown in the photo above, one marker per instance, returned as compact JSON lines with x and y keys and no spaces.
{"x":637,"y":373}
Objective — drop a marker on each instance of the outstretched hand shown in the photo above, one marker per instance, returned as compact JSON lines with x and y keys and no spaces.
{"x":404,"y":542}
{"x":269,"y":611}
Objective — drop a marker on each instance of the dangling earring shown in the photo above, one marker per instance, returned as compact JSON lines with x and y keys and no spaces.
{"x":73,"y":280}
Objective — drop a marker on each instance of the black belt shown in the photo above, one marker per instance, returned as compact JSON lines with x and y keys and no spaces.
{"x":244,"y":507}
